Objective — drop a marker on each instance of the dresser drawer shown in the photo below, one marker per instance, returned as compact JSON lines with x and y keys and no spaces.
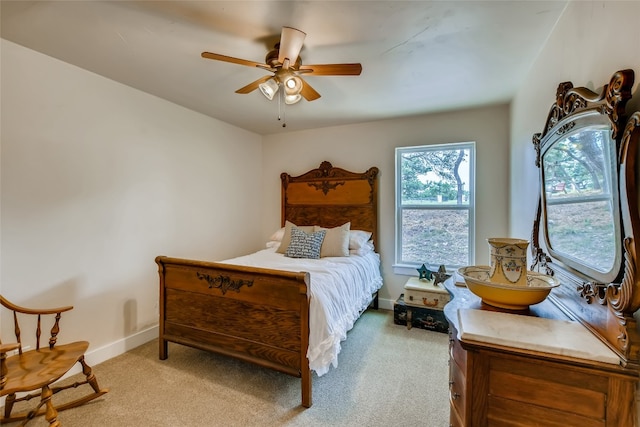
{"x":507,"y":412}
{"x":457,"y":354}
{"x":457,"y":389}
{"x":556,"y":388}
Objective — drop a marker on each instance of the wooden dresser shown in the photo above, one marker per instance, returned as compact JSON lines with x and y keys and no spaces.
{"x":574,"y":358}
{"x":493,"y":383}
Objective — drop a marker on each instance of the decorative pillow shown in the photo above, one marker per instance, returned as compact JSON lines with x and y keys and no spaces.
{"x":286,"y":237}
{"x":358,"y":238}
{"x":336,"y":241}
{"x":305,"y":245}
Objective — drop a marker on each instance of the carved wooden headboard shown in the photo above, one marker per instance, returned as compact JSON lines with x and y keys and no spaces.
{"x":329,"y":197}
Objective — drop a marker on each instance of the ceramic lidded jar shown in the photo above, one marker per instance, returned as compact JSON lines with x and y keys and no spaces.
{"x":508,"y":261}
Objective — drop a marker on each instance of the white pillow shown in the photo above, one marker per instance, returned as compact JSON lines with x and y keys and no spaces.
{"x":336,"y":241}
{"x":368,"y":247}
{"x":358,"y":238}
{"x":273,"y":244}
{"x":278,"y":235}
{"x":286,"y":237}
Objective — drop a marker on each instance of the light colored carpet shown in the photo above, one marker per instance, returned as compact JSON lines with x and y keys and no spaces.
{"x":387,"y":375}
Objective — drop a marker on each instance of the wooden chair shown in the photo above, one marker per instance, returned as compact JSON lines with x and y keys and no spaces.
{"x":33,"y":372}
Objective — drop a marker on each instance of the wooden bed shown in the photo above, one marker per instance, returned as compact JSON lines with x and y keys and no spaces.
{"x":262,"y":315}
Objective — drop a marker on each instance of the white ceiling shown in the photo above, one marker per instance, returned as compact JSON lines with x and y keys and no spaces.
{"x":417,"y":56}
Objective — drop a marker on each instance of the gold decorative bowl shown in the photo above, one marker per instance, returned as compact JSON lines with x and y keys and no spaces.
{"x":512,"y":297}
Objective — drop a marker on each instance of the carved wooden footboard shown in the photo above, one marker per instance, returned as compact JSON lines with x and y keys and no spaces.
{"x":254,"y":314}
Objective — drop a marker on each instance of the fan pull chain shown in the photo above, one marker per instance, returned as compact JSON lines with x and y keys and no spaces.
{"x":281,"y":107}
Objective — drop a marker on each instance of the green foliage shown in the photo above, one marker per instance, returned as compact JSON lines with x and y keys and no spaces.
{"x":432,"y":173}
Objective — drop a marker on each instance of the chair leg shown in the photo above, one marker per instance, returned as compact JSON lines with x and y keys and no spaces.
{"x":90,"y":379}
{"x":88,"y":373}
{"x":8,"y":404}
{"x":50,"y":414}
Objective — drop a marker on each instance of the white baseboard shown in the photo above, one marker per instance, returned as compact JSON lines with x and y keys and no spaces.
{"x":116,"y":348}
{"x":109,"y":351}
{"x":385,"y":304}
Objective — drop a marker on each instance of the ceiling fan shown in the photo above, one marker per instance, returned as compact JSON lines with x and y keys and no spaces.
{"x":285,"y":64}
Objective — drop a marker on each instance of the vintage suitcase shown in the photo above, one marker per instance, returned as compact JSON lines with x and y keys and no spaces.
{"x":423,"y":293}
{"x":419,"y":317}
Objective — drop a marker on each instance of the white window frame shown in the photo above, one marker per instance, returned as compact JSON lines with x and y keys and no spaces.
{"x":410,"y":268}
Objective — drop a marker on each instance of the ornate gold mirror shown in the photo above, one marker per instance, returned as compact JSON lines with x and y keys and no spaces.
{"x":587,"y":217}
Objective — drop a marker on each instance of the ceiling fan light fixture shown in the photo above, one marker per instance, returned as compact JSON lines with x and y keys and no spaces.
{"x":293,"y":85}
{"x":292,"y":99}
{"x":269,"y":88}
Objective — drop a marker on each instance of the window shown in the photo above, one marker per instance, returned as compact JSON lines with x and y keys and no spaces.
{"x":435,"y":205}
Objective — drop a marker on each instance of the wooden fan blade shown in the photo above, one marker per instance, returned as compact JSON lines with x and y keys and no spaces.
{"x":253,"y":85}
{"x":218,"y":57}
{"x":331,"y":69}
{"x":308,"y":92}
{"x":291,"y":42}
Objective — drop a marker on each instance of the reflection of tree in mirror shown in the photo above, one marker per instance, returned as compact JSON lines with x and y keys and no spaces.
{"x":578,"y":181}
{"x":576,"y":164}
{"x":434,"y":176}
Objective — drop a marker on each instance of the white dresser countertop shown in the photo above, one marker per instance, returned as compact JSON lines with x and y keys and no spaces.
{"x":558,"y":337}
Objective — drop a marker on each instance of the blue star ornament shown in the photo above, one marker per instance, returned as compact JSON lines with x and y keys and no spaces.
{"x":424,"y":272}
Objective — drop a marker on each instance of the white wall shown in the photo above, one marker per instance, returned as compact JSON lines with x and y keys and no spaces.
{"x":358,"y":147}
{"x":97,"y":180}
{"x":591,"y":41}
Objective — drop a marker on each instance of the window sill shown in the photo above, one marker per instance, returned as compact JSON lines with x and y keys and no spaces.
{"x":405,"y":270}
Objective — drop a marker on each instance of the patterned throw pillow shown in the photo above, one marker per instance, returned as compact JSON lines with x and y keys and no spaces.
{"x":305,"y":245}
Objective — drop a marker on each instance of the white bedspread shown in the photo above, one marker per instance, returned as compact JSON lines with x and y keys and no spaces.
{"x":341,"y":288}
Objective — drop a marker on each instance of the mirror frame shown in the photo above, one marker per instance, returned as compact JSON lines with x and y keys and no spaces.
{"x":604,"y":303}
